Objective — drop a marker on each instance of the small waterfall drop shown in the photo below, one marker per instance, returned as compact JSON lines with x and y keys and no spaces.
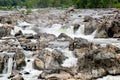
{"x":80,"y":30}
{"x":10,"y":63}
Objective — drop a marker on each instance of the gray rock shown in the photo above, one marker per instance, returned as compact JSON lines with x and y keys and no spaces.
{"x":90,"y":27}
{"x":78,"y":43}
{"x":1,"y":64}
{"x":48,"y":60}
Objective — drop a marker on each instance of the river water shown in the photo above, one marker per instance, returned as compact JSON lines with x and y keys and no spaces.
{"x":55,"y":29}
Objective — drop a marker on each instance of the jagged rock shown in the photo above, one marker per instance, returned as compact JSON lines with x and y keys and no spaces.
{"x":91,"y":74}
{"x":46,"y":60}
{"x":109,"y":29}
{"x":19,"y":33}
{"x":90,"y":27}
{"x":1,"y":64}
{"x":2,"y":32}
{"x":5,"y":30}
{"x":58,"y":56}
{"x":102,"y":30}
{"x":115,"y":27}
{"x":64,"y":37}
{"x":6,"y":19}
{"x":19,"y":59}
{"x":76,"y":27}
{"x":97,"y":62}
{"x":87,"y":18}
{"x":78,"y":43}
{"x":70,"y":10}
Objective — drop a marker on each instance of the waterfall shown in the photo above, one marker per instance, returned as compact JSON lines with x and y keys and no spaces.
{"x":80,"y":30}
{"x":9,"y":63}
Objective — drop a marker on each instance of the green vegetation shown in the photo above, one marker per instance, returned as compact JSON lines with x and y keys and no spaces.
{"x":8,"y":4}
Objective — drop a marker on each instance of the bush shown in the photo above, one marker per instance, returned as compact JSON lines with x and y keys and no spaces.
{"x":28,"y":11}
{"x":117,"y":5}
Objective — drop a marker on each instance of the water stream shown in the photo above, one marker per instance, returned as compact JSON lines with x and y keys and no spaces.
{"x":55,"y":29}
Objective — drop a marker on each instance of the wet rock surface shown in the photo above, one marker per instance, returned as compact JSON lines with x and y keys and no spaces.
{"x":54,"y":46}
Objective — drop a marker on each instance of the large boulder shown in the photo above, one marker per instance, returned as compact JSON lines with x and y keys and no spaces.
{"x":109,"y":28}
{"x":102,"y":30}
{"x":19,"y":58}
{"x":76,"y":27}
{"x":48,"y":60}
{"x":6,"y":19}
{"x":78,"y":43}
{"x":90,"y":27}
{"x":97,"y":62}
{"x":5,"y":30}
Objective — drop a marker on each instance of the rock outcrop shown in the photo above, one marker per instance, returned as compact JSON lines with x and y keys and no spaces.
{"x":109,"y":28}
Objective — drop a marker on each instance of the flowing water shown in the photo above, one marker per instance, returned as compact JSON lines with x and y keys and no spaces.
{"x":55,"y":29}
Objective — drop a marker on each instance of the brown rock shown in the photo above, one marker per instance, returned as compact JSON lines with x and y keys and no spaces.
{"x":64,"y":37}
{"x":76,"y":27}
{"x":17,"y":77}
{"x":87,"y":18}
{"x":79,"y":43}
{"x":38,"y":64}
{"x":19,"y":59}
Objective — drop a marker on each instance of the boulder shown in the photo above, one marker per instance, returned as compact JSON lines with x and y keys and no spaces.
{"x":6,"y":19}
{"x":78,"y":43}
{"x":90,"y":27}
{"x":48,"y":60}
{"x":62,"y":75}
{"x":2,"y":32}
{"x":102,"y":30}
{"x":76,"y":27}
{"x":109,"y":28}
{"x":39,"y":64}
{"x":19,"y":60}
{"x":87,"y":18}
{"x":97,"y":62}
{"x":5,"y":30}
{"x":64,"y":37}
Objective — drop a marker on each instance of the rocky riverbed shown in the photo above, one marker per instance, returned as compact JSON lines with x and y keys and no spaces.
{"x":54,"y":44}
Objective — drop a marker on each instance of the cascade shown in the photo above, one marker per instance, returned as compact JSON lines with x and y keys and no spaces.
{"x":10,"y":63}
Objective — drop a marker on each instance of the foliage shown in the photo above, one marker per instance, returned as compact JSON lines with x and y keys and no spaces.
{"x":117,"y":5}
{"x":61,"y":3}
